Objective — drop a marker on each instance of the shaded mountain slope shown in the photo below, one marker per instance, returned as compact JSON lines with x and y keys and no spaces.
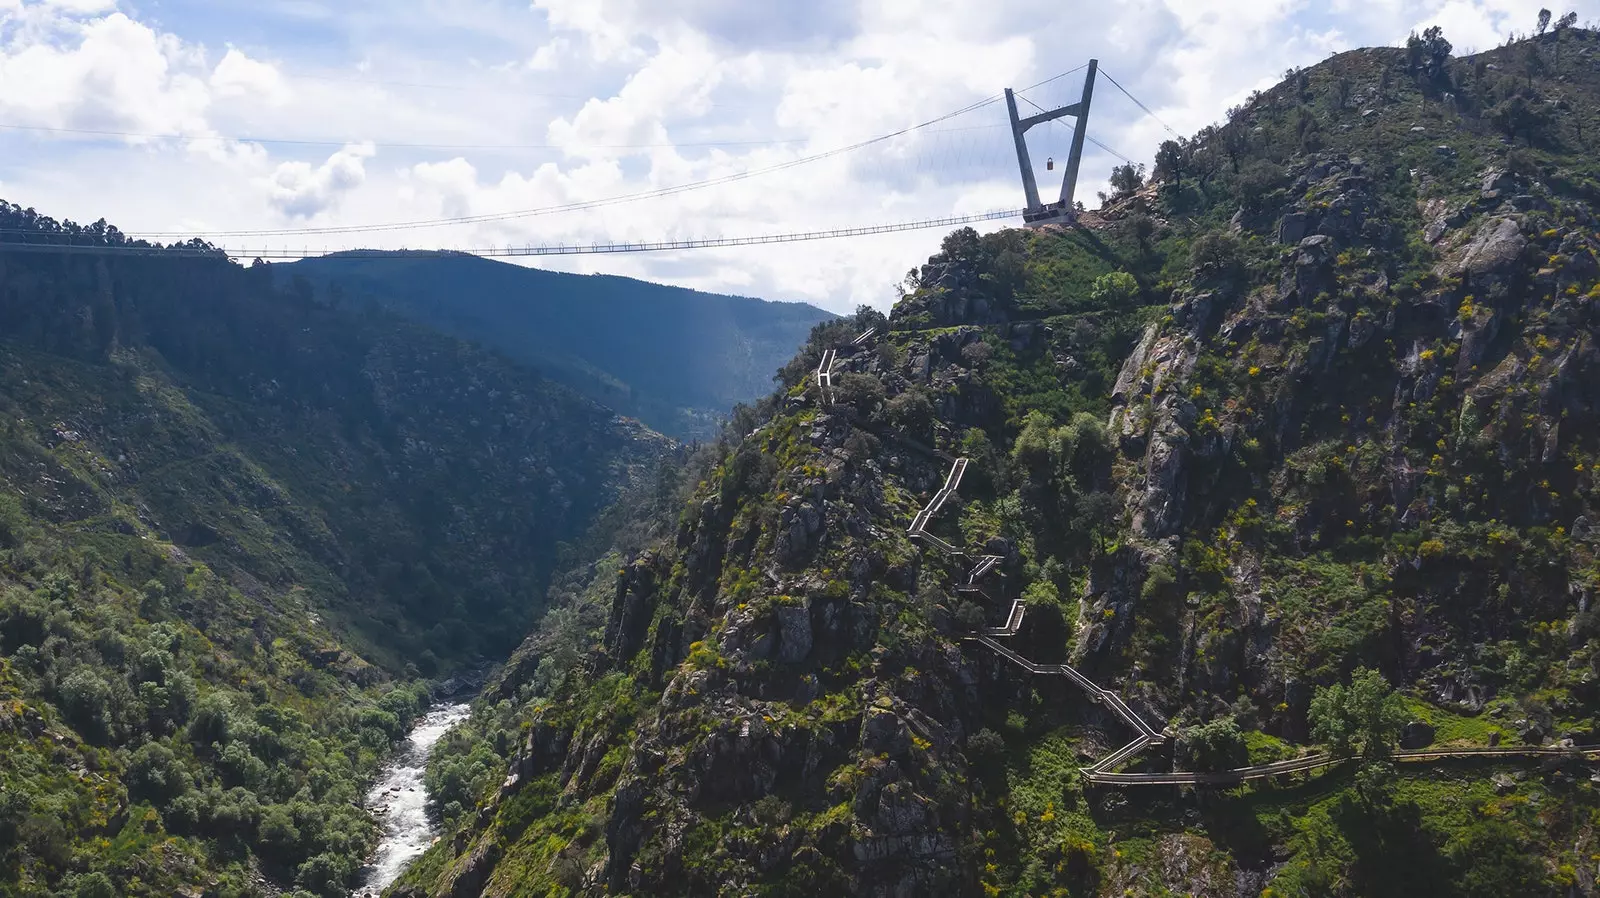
{"x":1293,"y":449}
{"x":678,"y":359}
{"x":235,"y":524}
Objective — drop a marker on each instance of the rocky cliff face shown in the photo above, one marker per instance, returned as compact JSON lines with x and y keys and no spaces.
{"x":1345,"y":420}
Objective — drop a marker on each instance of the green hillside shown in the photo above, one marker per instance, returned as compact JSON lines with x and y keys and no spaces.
{"x":1292,"y":451}
{"x":676,"y":359}
{"x":237,"y":526}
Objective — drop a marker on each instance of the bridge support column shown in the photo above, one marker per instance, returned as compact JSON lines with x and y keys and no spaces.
{"x":1063,"y":211}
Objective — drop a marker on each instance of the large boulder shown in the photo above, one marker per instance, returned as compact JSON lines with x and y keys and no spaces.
{"x":1496,"y":245}
{"x":1416,"y":734}
{"x":1292,"y":229}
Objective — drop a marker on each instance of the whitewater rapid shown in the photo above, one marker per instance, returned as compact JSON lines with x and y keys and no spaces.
{"x":399,"y":801}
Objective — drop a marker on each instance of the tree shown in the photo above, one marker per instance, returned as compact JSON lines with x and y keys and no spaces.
{"x":156,"y":775}
{"x":1213,"y":746}
{"x":912,"y":413}
{"x":86,"y":702}
{"x":1562,"y":24}
{"x":1172,"y":160}
{"x":862,"y":391}
{"x":1144,"y":227}
{"x":1544,"y":20}
{"x":866,"y":318}
{"x":1259,"y":180}
{"x":1533,"y":64}
{"x":326,"y":874}
{"x":1362,"y":718}
{"x":1126,"y":179}
{"x":1428,"y":54}
{"x":1216,"y":259}
{"x":1518,"y":116}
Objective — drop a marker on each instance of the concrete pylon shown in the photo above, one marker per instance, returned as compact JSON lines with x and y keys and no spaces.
{"x":1037,"y":213}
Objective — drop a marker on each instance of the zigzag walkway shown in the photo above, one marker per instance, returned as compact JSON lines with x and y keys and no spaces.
{"x":1102,"y":772}
{"x":1147,"y":735}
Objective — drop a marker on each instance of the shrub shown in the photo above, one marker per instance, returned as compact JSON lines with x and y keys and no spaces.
{"x":862,"y":392}
{"x":1217,"y":745}
{"x":1116,"y":288}
{"x":985,"y":745}
{"x":1365,"y":716}
{"x":156,"y":775}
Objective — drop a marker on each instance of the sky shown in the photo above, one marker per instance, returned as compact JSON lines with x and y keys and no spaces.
{"x":218,"y":117}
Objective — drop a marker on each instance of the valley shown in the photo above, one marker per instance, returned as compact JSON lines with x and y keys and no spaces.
{"x":1236,"y":538}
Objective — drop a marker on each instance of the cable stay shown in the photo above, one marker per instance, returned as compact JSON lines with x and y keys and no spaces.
{"x":902,"y":166}
{"x":1173,"y":131}
{"x":587,"y":204}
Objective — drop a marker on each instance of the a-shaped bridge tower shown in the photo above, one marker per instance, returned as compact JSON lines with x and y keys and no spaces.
{"x":1037,"y":213}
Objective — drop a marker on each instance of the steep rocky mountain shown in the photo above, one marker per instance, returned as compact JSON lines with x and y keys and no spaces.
{"x":236,"y":525}
{"x":1286,"y":462}
{"x":677,"y":359}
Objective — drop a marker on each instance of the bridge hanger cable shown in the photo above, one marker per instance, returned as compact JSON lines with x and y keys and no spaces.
{"x":1085,"y":137}
{"x":590,"y":204}
{"x":1146,"y":109}
{"x":511,"y":251}
{"x":1109,"y":150}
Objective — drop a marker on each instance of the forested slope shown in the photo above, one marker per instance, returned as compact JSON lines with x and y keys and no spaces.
{"x":235,"y":525}
{"x":1293,"y":449}
{"x":675,"y":358}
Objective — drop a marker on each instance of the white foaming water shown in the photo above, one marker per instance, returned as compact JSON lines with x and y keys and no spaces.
{"x":399,"y":801}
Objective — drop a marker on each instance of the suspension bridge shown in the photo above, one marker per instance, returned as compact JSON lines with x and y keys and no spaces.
{"x":974,"y":141}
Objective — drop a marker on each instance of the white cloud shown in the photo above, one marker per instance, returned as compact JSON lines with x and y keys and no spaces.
{"x":587,"y":75}
{"x":80,"y":7}
{"x":238,"y":77}
{"x":551,"y":55}
{"x":677,"y":81}
{"x":109,"y":73}
{"x":300,"y":191}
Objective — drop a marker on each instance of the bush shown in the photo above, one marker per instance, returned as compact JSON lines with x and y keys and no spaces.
{"x":862,"y":392}
{"x":156,"y":775}
{"x":94,"y":885}
{"x":1116,"y":288}
{"x":912,"y":413}
{"x":1217,"y":745}
{"x":985,"y":745}
{"x":85,"y":701}
{"x":327,"y":875}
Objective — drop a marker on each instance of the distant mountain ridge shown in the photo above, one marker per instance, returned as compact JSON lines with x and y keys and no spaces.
{"x":677,"y":359}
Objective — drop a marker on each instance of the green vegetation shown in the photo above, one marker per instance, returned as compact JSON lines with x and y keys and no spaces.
{"x":677,"y":359}
{"x":1296,"y":496}
{"x":238,"y":528}
{"x":1363,"y":718}
{"x":1293,"y":448}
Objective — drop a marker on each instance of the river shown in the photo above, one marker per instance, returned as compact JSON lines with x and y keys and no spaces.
{"x":399,"y":802}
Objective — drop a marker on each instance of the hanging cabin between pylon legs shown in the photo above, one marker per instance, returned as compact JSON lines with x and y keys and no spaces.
{"x":1050,"y":163}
